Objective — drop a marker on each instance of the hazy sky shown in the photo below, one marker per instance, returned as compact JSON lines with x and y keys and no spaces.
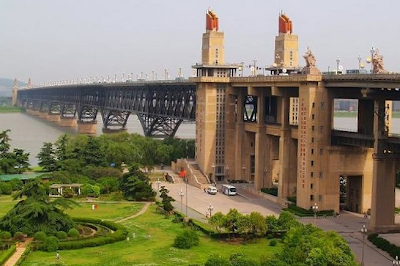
{"x":51,"y":40}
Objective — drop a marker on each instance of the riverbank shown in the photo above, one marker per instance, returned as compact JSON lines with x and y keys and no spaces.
{"x":10,"y":109}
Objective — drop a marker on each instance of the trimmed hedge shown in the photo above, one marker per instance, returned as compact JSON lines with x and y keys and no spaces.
{"x":305,"y":213}
{"x":7,"y":254}
{"x":385,"y":245}
{"x":120,"y":234}
{"x":272,"y":191}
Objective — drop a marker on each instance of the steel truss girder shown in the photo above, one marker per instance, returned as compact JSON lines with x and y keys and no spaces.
{"x":158,"y":126}
{"x":67,"y":110}
{"x":114,"y":119}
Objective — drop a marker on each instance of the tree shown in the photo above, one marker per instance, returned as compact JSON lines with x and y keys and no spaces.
{"x":135,"y":185}
{"x":217,"y":220}
{"x":21,"y":161}
{"x":37,"y":212}
{"x":166,"y":199}
{"x":61,"y":147}
{"x":47,"y":157}
{"x":93,"y":153}
{"x":4,"y":142}
{"x":231,"y":219}
{"x":258,"y":225}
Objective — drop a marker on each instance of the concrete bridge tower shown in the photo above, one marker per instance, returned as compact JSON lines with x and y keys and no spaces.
{"x":212,"y":78}
{"x":14,"y":93}
{"x":286,"y":46}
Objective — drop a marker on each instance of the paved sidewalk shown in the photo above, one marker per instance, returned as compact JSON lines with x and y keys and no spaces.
{"x":21,"y":247}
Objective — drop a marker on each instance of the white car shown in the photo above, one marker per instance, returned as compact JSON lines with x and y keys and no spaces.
{"x":212,"y":190}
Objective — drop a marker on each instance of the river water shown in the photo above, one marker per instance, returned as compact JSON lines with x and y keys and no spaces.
{"x":29,"y":133}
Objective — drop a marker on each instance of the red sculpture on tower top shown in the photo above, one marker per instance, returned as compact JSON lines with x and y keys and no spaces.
{"x":285,"y":24}
{"x":211,"y":21}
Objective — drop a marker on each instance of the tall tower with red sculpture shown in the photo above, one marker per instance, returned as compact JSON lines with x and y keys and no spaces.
{"x":286,"y":54}
{"x":213,"y":50}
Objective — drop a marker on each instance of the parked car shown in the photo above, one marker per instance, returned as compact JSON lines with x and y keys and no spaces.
{"x":212,"y":190}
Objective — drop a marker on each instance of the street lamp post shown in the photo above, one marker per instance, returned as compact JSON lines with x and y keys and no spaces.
{"x":315,"y":210}
{"x":265,"y":175}
{"x":210,"y":209}
{"x":337,"y":64}
{"x":359,"y":63}
{"x":396,"y":261}
{"x":372,"y":59}
{"x":227,"y":171}
{"x":213,"y":171}
{"x":186,"y":185}
{"x":181,"y":194}
{"x":363,"y":232}
{"x":158,"y":185}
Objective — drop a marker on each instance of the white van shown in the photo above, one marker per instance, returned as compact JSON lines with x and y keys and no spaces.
{"x":212,"y":190}
{"x":229,"y":190}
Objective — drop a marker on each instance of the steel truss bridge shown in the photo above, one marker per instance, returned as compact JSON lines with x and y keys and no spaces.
{"x":160,"y":106}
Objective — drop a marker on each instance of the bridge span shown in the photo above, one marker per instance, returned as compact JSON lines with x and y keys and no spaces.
{"x":160,"y":106}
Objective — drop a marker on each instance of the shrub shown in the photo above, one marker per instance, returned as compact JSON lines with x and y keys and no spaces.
{"x":5,"y":255}
{"x":273,"y":243}
{"x":187,"y":239}
{"x":61,"y":235}
{"x":272,"y":191}
{"x":73,"y":232}
{"x":19,"y":236}
{"x":40,"y":236}
{"x":5,"y":235}
{"x":68,"y":193}
{"x":51,"y":244}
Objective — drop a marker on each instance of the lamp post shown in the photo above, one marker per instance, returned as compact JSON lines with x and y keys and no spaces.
{"x":372,"y":59}
{"x":158,"y":185}
{"x":396,"y":261}
{"x":213,"y":172}
{"x":227,"y":171}
{"x":265,"y":174}
{"x":315,"y":210}
{"x":363,"y":232}
{"x":181,"y":194}
{"x":210,"y":209}
{"x":337,"y":64}
{"x":359,"y":63}
{"x":186,"y":184}
{"x":254,"y":67}
{"x":244,"y":171}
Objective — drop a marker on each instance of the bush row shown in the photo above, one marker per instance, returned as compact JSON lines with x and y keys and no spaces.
{"x":206,"y":229}
{"x":304,"y":213}
{"x":385,"y":245}
{"x":7,"y":254}
{"x":120,"y":233}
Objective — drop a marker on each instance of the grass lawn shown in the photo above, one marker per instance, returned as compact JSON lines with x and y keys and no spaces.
{"x":108,"y":211}
{"x":151,"y":238}
{"x":10,"y":109}
{"x":6,"y":204}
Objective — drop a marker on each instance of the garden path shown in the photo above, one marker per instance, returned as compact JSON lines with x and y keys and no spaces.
{"x":143,"y":210}
{"x":18,"y":253}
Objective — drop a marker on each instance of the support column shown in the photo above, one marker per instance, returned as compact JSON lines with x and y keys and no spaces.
{"x":43,"y":114}
{"x":89,"y":128}
{"x":260,"y":144}
{"x":284,"y":151}
{"x":239,"y":134}
{"x":68,"y":122}
{"x":53,"y":118}
{"x":383,"y":180}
